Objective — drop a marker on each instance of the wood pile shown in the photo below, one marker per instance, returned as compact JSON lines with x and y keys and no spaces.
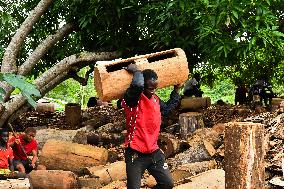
{"x":191,"y":157}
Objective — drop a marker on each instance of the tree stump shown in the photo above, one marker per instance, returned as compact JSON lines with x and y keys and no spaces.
{"x":53,"y":179}
{"x":68,"y":156}
{"x":73,"y":114}
{"x":109,"y":173}
{"x":195,"y":103}
{"x":189,"y":122}
{"x":171,"y":145}
{"x":244,"y":155}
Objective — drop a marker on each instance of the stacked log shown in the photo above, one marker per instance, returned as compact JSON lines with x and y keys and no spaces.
{"x":65,"y":155}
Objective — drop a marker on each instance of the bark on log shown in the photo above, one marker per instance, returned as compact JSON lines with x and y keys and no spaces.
{"x":109,"y":173}
{"x":115,"y":184}
{"x":64,"y":155}
{"x":53,"y":179}
{"x":111,"y":128}
{"x":244,"y":155}
{"x":43,"y":135}
{"x":171,"y":145}
{"x":89,"y":182}
{"x":15,"y":183}
{"x":95,"y":138}
{"x":201,"y":152}
{"x":189,"y":122}
{"x":195,"y":103}
{"x":212,"y":179}
{"x":171,"y":67}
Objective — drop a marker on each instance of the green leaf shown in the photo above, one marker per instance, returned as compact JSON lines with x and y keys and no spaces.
{"x":277,"y":33}
{"x":30,"y":100}
{"x":2,"y":91}
{"x":235,"y":13}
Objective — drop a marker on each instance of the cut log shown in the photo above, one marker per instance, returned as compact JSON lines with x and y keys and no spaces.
{"x":201,"y":152}
{"x":96,"y":138}
{"x":195,"y":103}
{"x":115,"y":184}
{"x":244,"y":155}
{"x":171,"y":145}
{"x":53,"y":179}
{"x":189,"y":122}
{"x":64,"y":155}
{"x":89,"y":182}
{"x":73,"y":114}
{"x":64,"y":135}
{"x":96,"y":122}
{"x":171,"y":67}
{"x":212,"y":179}
{"x":205,"y":134}
{"x":109,"y":173}
{"x":45,"y":107}
{"x":15,"y":184}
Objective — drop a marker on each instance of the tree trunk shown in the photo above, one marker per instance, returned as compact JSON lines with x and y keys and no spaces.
{"x":64,"y":155}
{"x":189,"y":122}
{"x":53,"y":179}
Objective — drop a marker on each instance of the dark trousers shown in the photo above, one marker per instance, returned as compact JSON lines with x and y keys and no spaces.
{"x":137,"y":163}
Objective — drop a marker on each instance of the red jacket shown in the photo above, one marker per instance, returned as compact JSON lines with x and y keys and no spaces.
{"x":143,"y":124}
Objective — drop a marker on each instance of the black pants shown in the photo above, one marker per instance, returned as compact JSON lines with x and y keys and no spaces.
{"x":137,"y":163}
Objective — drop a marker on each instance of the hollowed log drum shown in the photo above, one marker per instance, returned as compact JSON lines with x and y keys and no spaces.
{"x":111,"y":79}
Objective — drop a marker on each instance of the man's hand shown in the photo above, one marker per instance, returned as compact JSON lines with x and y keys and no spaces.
{"x":178,"y":87}
{"x":131,"y":68}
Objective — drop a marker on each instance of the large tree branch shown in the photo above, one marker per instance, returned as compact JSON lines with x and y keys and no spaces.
{"x":52,"y":77}
{"x":41,"y":50}
{"x":37,"y":54}
{"x":10,"y":56}
{"x":78,"y":60}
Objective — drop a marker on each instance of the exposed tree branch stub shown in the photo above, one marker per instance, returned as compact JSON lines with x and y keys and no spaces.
{"x":9,"y":59}
{"x":44,"y":46}
{"x":82,"y":80}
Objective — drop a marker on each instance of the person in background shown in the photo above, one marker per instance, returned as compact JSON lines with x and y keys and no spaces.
{"x":6,"y":152}
{"x":192,"y":87}
{"x":23,"y":146}
{"x":241,"y":92}
{"x":143,"y":111}
{"x":264,"y":90}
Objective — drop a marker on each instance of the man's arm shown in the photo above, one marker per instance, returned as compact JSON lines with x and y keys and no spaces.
{"x":34,"y":159}
{"x":132,"y":94}
{"x":172,"y":103}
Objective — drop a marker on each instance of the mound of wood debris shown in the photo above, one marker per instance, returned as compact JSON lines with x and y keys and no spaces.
{"x":90,"y":154}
